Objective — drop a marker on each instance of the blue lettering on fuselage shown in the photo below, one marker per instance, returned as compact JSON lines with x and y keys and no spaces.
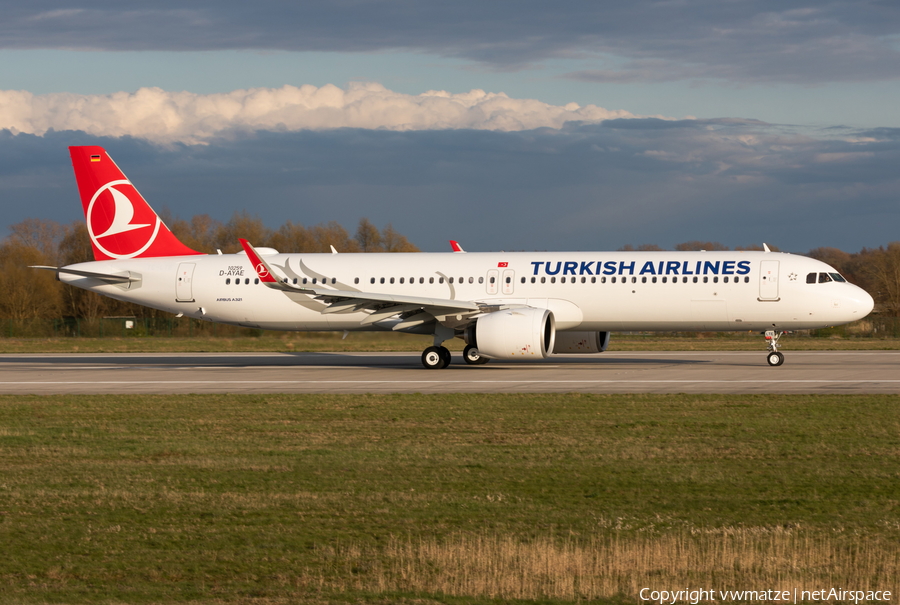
{"x":668,"y":267}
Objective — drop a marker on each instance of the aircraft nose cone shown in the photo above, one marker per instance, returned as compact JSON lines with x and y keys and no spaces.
{"x":866,"y":304}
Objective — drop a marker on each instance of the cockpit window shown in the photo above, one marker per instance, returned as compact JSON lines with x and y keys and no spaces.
{"x":811,"y":278}
{"x":837,"y":277}
{"x":824,"y":277}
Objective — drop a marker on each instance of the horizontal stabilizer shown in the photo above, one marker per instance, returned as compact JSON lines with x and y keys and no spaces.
{"x":110,"y":279}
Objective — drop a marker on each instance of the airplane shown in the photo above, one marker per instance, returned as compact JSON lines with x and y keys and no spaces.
{"x":505,"y":306}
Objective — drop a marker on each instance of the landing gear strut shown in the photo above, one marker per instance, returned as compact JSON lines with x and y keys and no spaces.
{"x":436,"y":358}
{"x":774,"y":356}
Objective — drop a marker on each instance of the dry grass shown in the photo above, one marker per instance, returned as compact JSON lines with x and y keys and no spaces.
{"x":503,"y":567}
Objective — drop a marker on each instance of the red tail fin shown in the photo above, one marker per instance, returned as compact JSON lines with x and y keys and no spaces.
{"x":120,"y":222}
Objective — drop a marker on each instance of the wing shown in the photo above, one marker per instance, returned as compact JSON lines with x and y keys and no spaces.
{"x":413,"y":310}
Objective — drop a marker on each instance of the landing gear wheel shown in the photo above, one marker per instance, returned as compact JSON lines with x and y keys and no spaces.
{"x":445,"y":355}
{"x":472,"y":357}
{"x":434,"y":359}
{"x":774,"y":357}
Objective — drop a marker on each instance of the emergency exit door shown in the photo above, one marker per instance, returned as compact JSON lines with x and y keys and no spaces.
{"x":183,"y":288}
{"x":768,"y":280}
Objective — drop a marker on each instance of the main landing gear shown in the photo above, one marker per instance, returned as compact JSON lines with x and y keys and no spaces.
{"x":473,"y":357}
{"x":436,"y":358}
{"x":774,"y":356}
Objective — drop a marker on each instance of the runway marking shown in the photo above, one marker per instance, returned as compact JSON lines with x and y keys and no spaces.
{"x":318,"y":382}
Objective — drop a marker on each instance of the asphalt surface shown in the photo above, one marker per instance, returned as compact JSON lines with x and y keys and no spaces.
{"x":610,"y":372}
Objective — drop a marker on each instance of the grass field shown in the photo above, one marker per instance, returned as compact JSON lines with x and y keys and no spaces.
{"x":386,"y":341}
{"x":443,"y":498}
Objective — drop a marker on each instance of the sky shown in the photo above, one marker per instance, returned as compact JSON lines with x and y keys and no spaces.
{"x":505,"y":125}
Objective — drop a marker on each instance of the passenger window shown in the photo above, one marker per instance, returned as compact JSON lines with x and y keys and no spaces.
{"x":562,"y":280}
{"x":838,"y":277}
{"x":509,"y":280}
{"x":493,"y":280}
{"x":695,"y":279}
{"x":533,"y":279}
{"x":653,"y":279}
{"x":824,"y":277}
{"x":602,"y":280}
{"x":462,"y":280}
{"x":227,"y":281}
{"x":664,"y":279}
{"x":634,"y":280}
{"x":593,"y":280}
{"x":247,"y":282}
{"x":747,"y":279}
{"x":333,"y":280}
{"x":612,"y":280}
{"x":402,"y":280}
{"x":684,"y":279}
{"x":725,"y":279}
{"x":450,"y":280}
{"x":295,"y":281}
{"x":382,"y":280}
{"x":304,"y":281}
{"x":644,"y":280}
{"x":523,"y":280}
{"x":481,"y":280}
{"x":715,"y":279}
{"x":705,"y":279}
{"x":430,"y":280}
{"x":471,"y":280}
{"x":392,"y":280}
{"x":543,"y":280}
{"x":583,"y":280}
{"x":314,"y":281}
{"x":421,"y":280}
{"x":552,"y":280}
{"x":256,"y":280}
{"x":372,"y":280}
{"x":440,"y":280}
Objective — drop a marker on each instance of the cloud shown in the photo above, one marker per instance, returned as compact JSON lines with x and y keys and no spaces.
{"x":752,"y":41}
{"x":582,"y":186}
{"x":166,"y":117}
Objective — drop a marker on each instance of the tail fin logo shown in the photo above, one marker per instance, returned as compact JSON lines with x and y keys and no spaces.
{"x":111,"y":218}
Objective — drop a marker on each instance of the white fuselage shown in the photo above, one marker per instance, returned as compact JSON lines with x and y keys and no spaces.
{"x":603,"y":291}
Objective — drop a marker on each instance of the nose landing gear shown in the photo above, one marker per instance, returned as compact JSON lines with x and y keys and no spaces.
{"x":774,"y":356}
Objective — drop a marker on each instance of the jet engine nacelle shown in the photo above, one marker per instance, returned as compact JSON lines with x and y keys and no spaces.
{"x":514,"y":334}
{"x":581,"y":342}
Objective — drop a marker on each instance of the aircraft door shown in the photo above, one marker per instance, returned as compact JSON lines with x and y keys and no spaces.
{"x":183,"y":289}
{"x":509,"y":281}
{"x":768,"y":280}
{"x":493,"y":277}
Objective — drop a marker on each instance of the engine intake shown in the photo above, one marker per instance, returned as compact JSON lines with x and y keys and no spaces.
{"x":514,"y":334}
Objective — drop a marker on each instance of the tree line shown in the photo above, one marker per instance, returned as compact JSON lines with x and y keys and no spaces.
{"x":28,"y":294}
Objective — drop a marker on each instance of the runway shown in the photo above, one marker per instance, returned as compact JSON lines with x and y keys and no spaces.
{"x":610,"y":372}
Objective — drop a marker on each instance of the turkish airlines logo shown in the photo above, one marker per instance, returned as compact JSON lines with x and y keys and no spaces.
{"x":112,"y":224}
{"x":262,"y":271}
